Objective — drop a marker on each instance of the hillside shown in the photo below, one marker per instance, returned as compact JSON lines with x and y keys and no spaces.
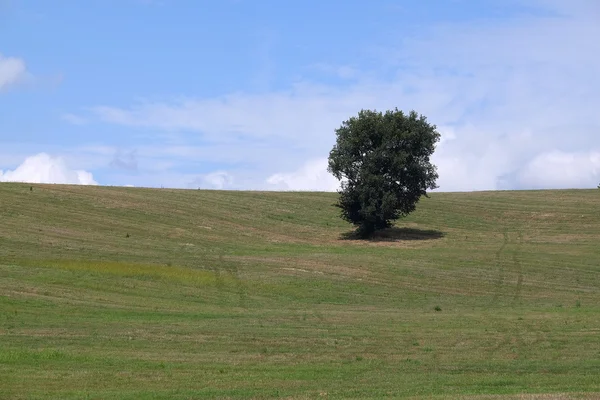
{"x":129,"y":293}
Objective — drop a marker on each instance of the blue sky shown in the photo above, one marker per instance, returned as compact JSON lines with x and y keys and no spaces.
{"x":241,"y":94}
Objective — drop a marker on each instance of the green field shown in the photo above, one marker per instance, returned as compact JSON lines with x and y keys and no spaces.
{"x":128,"y":293}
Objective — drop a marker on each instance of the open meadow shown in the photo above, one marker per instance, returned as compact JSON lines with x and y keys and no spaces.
{"x":130,"y":293}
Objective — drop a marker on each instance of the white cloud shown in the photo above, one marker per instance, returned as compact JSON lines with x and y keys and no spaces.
{"x":12,"y":70}
{"x":312,"y":175}
{"x":74,"y":119}
{"x":508,"y":96}
{"x":214,"y":180}
{"x":562,"y":170}
{"x":42,"y":168}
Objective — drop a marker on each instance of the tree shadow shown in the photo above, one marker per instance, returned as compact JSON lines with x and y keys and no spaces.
{"x":396,"y":234}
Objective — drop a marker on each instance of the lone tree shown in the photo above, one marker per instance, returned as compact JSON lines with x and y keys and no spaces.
{"x":383,"y":163}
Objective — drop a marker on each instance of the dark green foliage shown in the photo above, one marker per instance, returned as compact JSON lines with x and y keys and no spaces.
{"x":383,"y":163}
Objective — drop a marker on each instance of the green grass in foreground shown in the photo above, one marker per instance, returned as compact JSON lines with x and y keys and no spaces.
{"x":121,"y":293}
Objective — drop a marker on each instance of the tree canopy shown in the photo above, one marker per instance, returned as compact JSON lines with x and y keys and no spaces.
{"x":383,"y":162}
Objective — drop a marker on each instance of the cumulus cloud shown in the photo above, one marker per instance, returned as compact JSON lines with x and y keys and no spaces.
{"x":561,"y":170}
{"x":312,"y":175}
{"x":43,"y":168}
{"x":516,"y":101}
{"x":218,"y":180}
{"x":12,"y":70}
{"x":213,"y":180}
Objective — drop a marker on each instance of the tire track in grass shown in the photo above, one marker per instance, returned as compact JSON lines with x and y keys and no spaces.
{"x":519,"y":268}
{"x":501,"y":273}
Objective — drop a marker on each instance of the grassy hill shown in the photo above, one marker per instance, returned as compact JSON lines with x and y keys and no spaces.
{"x":127,"y":293}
